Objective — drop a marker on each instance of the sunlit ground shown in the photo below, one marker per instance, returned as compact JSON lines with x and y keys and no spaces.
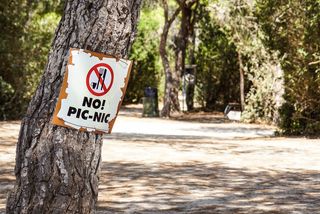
{"x":195,"y":164}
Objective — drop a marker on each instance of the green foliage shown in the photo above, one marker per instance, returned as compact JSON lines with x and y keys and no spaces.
{"x":39,"y":36}
{"x":293,"y":28}
{"x":144,"y":53}
{"x":6,"y":94}
{"x":217,"y":66}
{"x":24,"y":45}
{"x":262,"y":64}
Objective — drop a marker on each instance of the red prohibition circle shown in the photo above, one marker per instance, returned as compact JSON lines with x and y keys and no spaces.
{"x":94,"y":70}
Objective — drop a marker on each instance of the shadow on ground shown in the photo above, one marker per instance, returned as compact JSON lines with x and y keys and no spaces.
{"x":194,"y":170}
{"x":205,"y":188}
{"x":6,"y":183}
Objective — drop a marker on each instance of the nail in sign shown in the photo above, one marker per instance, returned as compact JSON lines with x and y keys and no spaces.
{"x":92,"y":91}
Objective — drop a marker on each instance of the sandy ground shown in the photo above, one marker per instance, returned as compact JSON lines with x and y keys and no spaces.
{"x":195,"y":164}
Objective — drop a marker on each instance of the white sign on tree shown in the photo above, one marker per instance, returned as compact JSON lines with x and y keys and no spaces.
{"x":92,"y":91}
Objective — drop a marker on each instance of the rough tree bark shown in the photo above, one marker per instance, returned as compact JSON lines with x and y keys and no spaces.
{"x":57,"y":168}
{"x":169,"y":95}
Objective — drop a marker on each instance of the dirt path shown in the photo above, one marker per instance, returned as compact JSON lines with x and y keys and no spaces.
{"x":197,"y":165}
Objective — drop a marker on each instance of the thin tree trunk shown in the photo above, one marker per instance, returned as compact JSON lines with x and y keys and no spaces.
{"x":182,"y":38}
{"x":242,"y":102}
{"x":192,"y":60}
{"x":57,"y":168}
{"x":169,"y":87}
{"x":182,"y":45}
{"x":180,"y":53}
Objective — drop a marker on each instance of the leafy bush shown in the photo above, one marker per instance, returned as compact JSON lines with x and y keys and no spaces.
{"x":293,"y":29}
{"x":145,"y":54}
{"x":6,"y":95}
{"x":28,"y":28}
{"x":262,"y":68}
{"x":217,"y":66}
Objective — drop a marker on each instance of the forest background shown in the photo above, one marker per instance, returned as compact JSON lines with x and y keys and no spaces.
{"x":274,"y":45}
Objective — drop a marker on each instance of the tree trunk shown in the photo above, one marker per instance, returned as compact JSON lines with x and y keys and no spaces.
{"x":168,"y":100}
{"x":242,"y":102}
{"x":182,"y":45}
{"x":192,"y":59}
{"x":57,"y":168}
{"x":183,"y":36}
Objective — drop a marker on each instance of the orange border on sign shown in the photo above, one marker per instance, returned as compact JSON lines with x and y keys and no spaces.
{"x":63,"y":95}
